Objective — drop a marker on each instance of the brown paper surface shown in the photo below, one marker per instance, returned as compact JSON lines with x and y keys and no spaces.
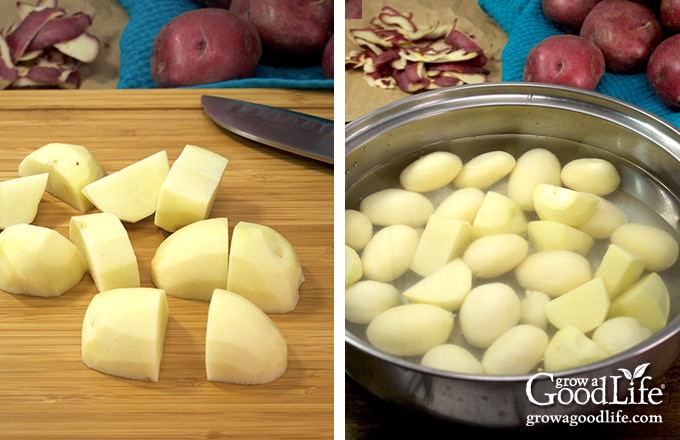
{"x":360,"y":98}
{"x":108,"y":23}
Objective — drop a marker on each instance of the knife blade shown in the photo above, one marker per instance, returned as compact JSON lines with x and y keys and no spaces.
{"x":291,"y":131}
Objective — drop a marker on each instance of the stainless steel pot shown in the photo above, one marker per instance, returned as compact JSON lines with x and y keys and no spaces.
{"x":470,"y":118}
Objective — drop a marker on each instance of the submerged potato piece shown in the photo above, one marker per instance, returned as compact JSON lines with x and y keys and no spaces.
{"x":38,"y":261}
{"x":584,"y":307}
{"x":498,"y":214}
{"x":619,"y":268}
{"x":537,"y":165}
{"x":353,"y":268}
{"x":569,"y":348}
{"x":553,"y":272}
{"x":188,"y":192}
{"x":388,"y":255}
{"x":442,"y":240}
{"x":192,"y":261}
{"x":604,"y":221}
{"x":532,"y":309}
{"x":20,"y":198}
{"x":131,"y":193}
{"x":452,"y":357}
{"x":563,"y":205}
{"x":264,"y":268}
{"x":620,"y":333}
{"x":123,"y":332}
{"x":358,"y":229}
{"x":105,"y":245}
{"x":517,"y":351}
{"x":410,"y":329}
{"x":242,"y":344}
{"x":462,"y":204}
{"x":647,"y":301}
{"x":546,"y":235}
{"x":488,"y":311}
{"x":657,"y":247}
{"x":431,"y":171}
{"x":591,"y":175}
{"x":70,"y":168}
{"x":446,"y":288}
{"x":367,"y":299}
{"x":484,"y":170}
{"x":494,"y":255}
{"x":396,"y":206}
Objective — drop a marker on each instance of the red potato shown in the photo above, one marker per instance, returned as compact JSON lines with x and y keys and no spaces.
{"x":625,"y":31}
{"x":290,"y":29}
{"x":567,"y":14}
{"x":669,"y":13}
{"x":663,"y":71}
{"x":204,"y":46}
{"x":327,"y":58}
{"x":567,"y":60}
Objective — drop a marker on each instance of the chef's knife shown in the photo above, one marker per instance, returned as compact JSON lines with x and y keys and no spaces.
{"x":295,"y":132}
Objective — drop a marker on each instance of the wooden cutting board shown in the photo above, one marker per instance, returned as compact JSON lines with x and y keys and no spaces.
{"x":45,"y":389}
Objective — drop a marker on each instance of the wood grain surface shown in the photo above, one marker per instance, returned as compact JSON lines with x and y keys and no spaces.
{"x":45,"y":389}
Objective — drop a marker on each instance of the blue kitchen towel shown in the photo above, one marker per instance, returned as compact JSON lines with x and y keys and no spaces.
{"x":525,"y":25}
{"x":147,"y":17}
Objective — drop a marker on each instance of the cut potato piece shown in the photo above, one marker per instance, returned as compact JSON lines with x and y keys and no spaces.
{"x":20,"y":198}
{"x":38,"y":261}
{"x":563,"y":205}
{"x":547,"y":235}
{"x":396,"y":206}
{"x":537,"y":165}
{"x":621,"y":333}
{"x":192,"y":261}
{"x":517,"y":351}
{"x":647,"y":301}
{"x":410,"y":329}
{"x":570,"y":348}
{"x":353,"y":268}
{"x":242,"y":344}
{"x":431,"y":171}
{"x":358,"y":229}
{"x":619,"y":269}
{"x":553,"y":272}
{"x":498,"y":214}
{"x":452,"y":357}
{"x":70,"y":168}
{"x":591,"y":175}
{"x":367,"y":299}
{"x":532,"y":310}
{"x":604,"y":221}
{"x":104,"y":244}
{"x":264,"y":268}
{"x":188,"y":192}
{"x":485,"y":169}
{"x":123,"y":332}
{"x":442,"y":240}
{"x":446,"y":288}
{"x":494,"y":255}
{"x":489,"y":310}
{"x":657,"y":247}
{"x":462,"y":204}
{"x":389,"y":253}
{"x":584,"y":307}
{"x":131,"y":193}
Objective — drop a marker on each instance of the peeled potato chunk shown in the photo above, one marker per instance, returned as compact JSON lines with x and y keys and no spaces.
{"x":358,"y":229}
{"x":553,"y":272}
{"x":431,"y":171}
{"x":242,"y":344}
{"x":367,"y":299}
{"x":657,"y":247}
{"x":591,"y":175}
{"x":584,"y":307}
{"x":462,"y":204}
{"x":494,"y":255}
{"x":38,"y":261}
{"x":353,"y":268}
{"x":647,"y":301}
{"x":569,"y":348}
{"x":620,"y":268}
{"x":123,"y":332}
{"x":517,"y":351}
{"x":537,"y":165}
{"x":604,"y":221}
{"x":546,"y":235}
{"x":410,"y":329}
{"x":488,"y":311}
{"x":70,"y":168}
{"x":20,"y":198}
{"x":452,"y":357}
{"x":618,"y":334}
{"x":485,"y":169}
{"x":389,"y":253}
{"x":563,"y":205}
{"x":442,"y":240}
{"x":446,"y":288}
{"x":396,"y":206}
{"x":498,"y":214}
{"x":533,"y":309}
